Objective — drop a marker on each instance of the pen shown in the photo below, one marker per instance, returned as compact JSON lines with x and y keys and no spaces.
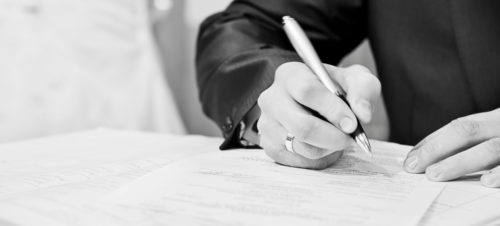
{"x":306,"y":51}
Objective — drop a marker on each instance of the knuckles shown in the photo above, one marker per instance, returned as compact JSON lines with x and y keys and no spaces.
{"x":361,"y":76}
{"x":466,"y":128}
{"x":304,"y":127}
{"x":264,"y":98}
{"x":493,"y":147}
{"x":429,"y":149}
{"x":303,"y":91}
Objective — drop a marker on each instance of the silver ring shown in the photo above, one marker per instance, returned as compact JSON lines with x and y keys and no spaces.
{"x":289,"y":142}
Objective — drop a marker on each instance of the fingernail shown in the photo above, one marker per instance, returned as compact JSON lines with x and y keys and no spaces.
{"x":434,"y":172}
{"x":411,"y":163}
{"x":366,"y":109}
{"x":489,"y":180}
{"x":347,"y":125}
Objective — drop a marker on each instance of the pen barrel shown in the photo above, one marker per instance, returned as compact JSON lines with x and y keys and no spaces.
{"x":306,"y":51}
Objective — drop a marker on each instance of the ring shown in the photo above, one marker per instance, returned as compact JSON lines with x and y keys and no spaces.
{"x":289,"y":142}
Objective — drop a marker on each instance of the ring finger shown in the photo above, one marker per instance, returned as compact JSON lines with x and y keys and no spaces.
{"x":308,"y":128}
{"x":273,"y":137}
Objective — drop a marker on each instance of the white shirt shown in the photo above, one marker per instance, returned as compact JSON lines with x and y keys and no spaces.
{"x":69,"y":65}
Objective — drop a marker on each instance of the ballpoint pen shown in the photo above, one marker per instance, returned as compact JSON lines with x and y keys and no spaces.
{"x":306,"y":51}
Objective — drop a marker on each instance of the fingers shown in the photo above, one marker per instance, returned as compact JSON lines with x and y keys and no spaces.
{"x":453,"y":138}
{"x":492,"y":178}
{"x":278,"y":105}
{"x":316,"y":137}
{"x":308,"y":91}
{"x":287,"y":158}
{"x":466,"y":145}
{"x":302,"y":124}
{"x":290,"y":105}
{"x":480,"y":157}
{"x":312,"y":130}
{"x":362,"y":88}
{"x":272,"y":140}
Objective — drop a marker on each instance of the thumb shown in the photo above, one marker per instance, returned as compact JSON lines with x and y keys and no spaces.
{"x":362,"y":89}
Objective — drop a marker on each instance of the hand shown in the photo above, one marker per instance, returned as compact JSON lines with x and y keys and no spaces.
{"x":464,"y":146}
{"x":289,"y":106}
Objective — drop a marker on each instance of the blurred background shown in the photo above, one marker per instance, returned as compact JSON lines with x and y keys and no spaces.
{"x":68,"y":65}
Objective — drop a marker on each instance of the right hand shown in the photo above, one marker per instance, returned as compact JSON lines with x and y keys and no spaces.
{"x":286,"y":108}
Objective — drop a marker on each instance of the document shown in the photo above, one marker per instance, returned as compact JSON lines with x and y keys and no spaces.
{"x":465,"y":202}
{"x":117,"y":178}
{"x":245,"y":187}
{"x":61,"y":180}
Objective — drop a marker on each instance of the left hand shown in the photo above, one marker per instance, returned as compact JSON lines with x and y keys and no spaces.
{"x":466,"y":145}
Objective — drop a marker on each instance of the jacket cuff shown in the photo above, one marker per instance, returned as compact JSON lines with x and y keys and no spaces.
{"x":229,"y":125}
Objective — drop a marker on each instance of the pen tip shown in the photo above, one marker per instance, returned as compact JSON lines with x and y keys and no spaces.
{"x":363,"y":142}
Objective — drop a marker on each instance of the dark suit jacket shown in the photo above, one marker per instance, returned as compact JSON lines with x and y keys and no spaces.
{"x":437,"y":59}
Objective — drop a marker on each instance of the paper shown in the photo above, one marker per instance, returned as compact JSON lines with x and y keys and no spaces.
{"x":465,"y":202}
{"x":247,"y":188}
{"x":158,"y":179}
{"x":61,"y":180}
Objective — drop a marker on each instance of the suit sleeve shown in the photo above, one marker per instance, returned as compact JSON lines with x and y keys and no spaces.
{"x":239,"y":49}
